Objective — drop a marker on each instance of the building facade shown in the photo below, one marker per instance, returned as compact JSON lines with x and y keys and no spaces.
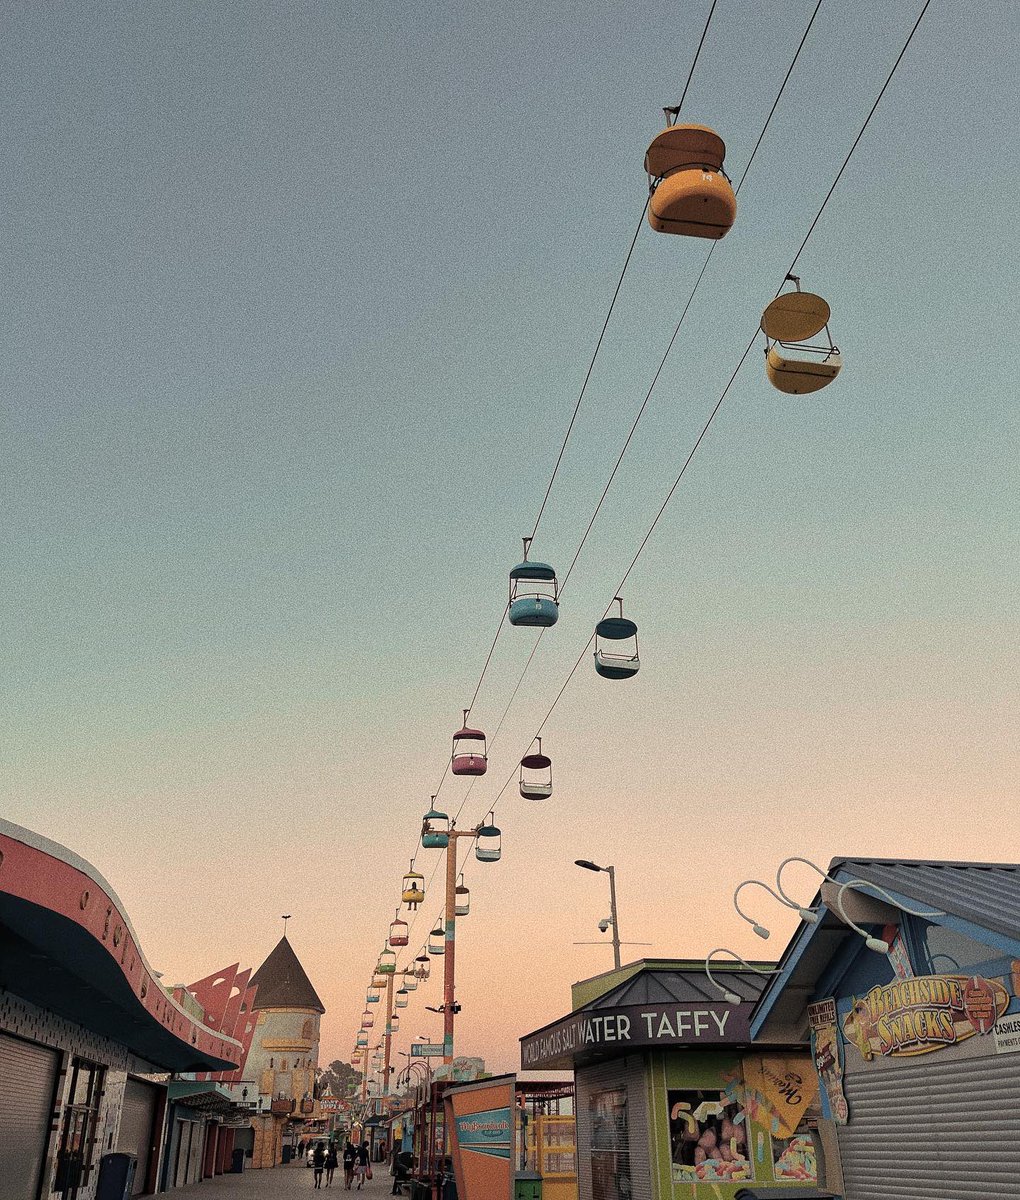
{"x":88,"y":1036}
{"x":284,"y":1054}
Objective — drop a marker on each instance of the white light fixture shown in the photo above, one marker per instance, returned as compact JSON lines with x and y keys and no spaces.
{"x":729,"y":996}
{"x":759,"y":929}
{"x":873,"y":943}
{"x":806,"y":914}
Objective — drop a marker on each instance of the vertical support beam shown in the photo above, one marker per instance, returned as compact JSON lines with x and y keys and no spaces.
{"x":450,"y":950}
{"x":616,"y":924}
{"x":388,"y":1037}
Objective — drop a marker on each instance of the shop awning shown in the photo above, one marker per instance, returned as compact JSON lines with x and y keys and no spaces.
{"x":66,"y":945}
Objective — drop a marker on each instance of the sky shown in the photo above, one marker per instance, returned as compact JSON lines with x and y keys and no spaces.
{"x":297,"y":302}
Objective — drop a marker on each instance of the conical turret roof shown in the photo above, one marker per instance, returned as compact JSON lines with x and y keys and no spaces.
{"x":282,"y":982}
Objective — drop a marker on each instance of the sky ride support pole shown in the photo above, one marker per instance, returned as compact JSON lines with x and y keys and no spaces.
{"x":388,"y":1036}
{"x":450,"y":940}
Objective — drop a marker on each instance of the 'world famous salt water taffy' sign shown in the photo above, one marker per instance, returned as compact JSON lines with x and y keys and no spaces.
{"x":916,"y":1016}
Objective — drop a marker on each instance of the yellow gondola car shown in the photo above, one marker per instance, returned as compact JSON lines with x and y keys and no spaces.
{"x":792,"y":364}
{"x":690,"y":193}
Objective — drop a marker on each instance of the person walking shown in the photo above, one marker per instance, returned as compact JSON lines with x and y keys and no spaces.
{"x":401,"y":1170}
{"x":350,"y":1158}
{"x":362,"y":1166}
{"x":331,"y":1163}
{"x":318,"y":1163}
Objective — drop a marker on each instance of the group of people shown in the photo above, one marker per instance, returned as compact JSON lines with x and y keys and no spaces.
{"x":356,"y":1160}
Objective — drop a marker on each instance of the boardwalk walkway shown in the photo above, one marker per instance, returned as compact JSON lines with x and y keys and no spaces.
{"x":282,"y":1183}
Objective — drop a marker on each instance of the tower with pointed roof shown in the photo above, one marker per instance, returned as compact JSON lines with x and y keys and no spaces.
{"x":284,"y":1053}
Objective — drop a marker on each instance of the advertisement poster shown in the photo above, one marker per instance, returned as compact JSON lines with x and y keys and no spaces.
{"x":899,"y":958}
{"x":778,"y":1090}
{"x":486,"y":1132}
{"x":708,"y":1137}
{"x":827,"y":1051}
{"x":916,"y":1016}
{"x":610,"y":1147}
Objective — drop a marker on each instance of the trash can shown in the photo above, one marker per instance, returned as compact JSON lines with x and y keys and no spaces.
{"x":237,"y":1162}
{"x":527,"y":1185}
{"x":783,"y":1193}
{"x":288,"y":1154}
{"x":116,"y":1176}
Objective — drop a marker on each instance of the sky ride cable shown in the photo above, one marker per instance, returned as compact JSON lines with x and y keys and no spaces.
{"x":662,"y":363}
{"x":616,"y":293}
{"x":743,"y":358}
{"x":566,"y":438}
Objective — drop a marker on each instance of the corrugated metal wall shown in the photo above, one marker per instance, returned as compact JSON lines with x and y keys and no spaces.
{"x":28,"y":1075}
{"x":628,"y":1073}
{"x":934,"y":1131}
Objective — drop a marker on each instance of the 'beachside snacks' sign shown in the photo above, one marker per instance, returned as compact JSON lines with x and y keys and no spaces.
{"x":635,"y":1025}
{"x":915,"y":1016}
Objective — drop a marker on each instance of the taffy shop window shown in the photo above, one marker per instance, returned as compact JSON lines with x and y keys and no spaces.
{"x":708,"y":1137}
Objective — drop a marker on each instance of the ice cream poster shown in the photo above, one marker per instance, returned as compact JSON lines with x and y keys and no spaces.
{"x":827,"y":1051}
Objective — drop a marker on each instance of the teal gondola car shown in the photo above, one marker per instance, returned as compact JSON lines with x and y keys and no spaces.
{"x":435,"y":829}
{"x":488,"y":847}
{"x":621,"y":662}
{"x":534,"y":593}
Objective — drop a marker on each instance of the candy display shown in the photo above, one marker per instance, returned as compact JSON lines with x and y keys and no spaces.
{"x":795,"y":1158}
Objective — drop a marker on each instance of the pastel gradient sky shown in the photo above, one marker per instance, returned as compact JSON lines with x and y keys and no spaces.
{"x":297,"y":299}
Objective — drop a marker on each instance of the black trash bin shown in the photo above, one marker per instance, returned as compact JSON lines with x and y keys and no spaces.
{"x":783,"y":1193}
{"x":237,"y":1162}
{"x":288,"y":1154}
{"x":116,"y":1176}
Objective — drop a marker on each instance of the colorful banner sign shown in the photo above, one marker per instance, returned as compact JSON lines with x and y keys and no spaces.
{"x":916,"y":1016}
{"x":486,"y":1132}
{"x":827,"y":1051}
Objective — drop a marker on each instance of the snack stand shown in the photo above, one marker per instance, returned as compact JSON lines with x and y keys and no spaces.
{"x":673,"y":1102}
{"x":915,"y":1026}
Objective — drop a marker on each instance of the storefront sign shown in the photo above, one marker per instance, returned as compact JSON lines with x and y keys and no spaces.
{"x":915,"y":1016}
{"x":635,"y":1025}
{"x":827,"y":1051}
{"x":1007,"y":1034}
{"x":486,"y":1132}
{"x":426,"y":1050}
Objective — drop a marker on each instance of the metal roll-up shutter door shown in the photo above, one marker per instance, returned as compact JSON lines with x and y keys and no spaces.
{"x":28,"y":1076}
{"x":135,"y":1134}
{"x":627,"y":1074}
{"x":934,"y":1131}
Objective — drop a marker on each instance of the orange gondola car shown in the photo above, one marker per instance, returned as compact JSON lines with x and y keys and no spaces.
{"x":690,"y":192}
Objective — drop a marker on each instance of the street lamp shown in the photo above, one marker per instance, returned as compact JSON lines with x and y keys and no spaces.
{"x":611,"y":872}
